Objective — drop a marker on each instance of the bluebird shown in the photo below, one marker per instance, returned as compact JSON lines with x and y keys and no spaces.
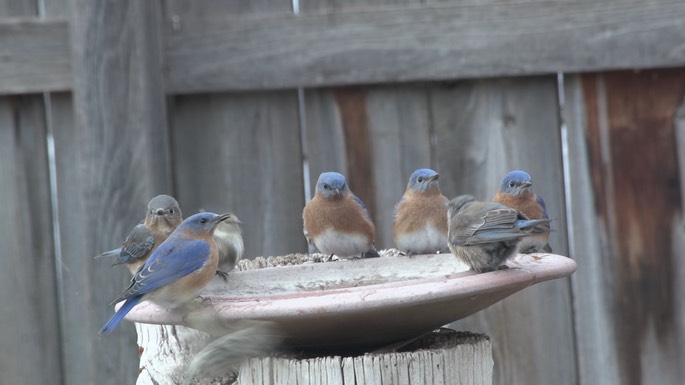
{"x":485,"y":234}
{"x":163,"y":216}
{"x":516,"y":192}
{"x":336,"y":221}
{"x":177,"y":270}
{"x":420,"y":224}
{"x":229,"y":242}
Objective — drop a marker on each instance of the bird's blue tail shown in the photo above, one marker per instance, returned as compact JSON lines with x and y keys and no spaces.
{"x":111,"y":253}
{"x":524,"y":224}
{"x":120,"y":314}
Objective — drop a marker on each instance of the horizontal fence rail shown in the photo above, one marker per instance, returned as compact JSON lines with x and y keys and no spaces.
{"x":362,"y":46}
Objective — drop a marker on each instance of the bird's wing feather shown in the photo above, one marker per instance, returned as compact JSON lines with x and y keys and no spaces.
{"x":167,"y":264}
{"x":363,"y":206}
{"x":138,"y":243}
{"x":485,"y":223}
{"x":542,"y":204}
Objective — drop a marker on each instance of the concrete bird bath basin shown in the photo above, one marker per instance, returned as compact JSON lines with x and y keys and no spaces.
{"x":355,"y":305}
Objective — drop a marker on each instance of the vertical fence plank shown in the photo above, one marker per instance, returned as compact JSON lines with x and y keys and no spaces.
{"x":29,"y":316}
{"x":17,"y":8}
{"x":400,"y":130}
{"x":597,"y":361}
{"x":389,"y":121}
{"x":241,"y":153}
{"x":29,"y":320}
{"x":111,"y":160}
{"x":632,"y":179}
{"x":485,"y":128}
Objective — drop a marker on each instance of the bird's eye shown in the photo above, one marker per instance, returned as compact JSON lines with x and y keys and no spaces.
{"x":511,"y":183}
{"x":171,"y":211}
{"x":203,"y":220}
{"x":326,"y":186}
{"x":419,"y":179}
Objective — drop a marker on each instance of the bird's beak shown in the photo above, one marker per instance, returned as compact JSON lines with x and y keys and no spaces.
{"x":337,"y":191}
{"x":527,"y":184}
{"x":222,"y":217}
{"x":435,"y":177}
{"x":159,"y":212}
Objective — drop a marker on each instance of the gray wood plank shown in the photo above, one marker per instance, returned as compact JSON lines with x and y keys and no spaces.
{"x":632,"y":284}
{"x":112,"y":157}
{"x":241,"y":153}
{"x":369,"y":46}
{"x":189,"y":14}
{"x":423,"y":43}
{"x":400,"y":130}
{"x":54,"y":9}
{"x":484,"y":129}
{"x":594,"y":332}
{"x":29,"y":319}
{"x":325,"y":135}
{"x":35,"y":56}
{"x":318,"y":6}
{"x":18,"y":8}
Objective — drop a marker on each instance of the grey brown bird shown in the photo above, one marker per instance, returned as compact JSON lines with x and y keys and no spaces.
{"x":485,"y":234}
{"x":162,"y":217}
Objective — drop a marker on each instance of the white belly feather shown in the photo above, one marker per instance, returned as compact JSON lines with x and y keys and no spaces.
{"x":424,"y":241}
{"x":342,"y":245}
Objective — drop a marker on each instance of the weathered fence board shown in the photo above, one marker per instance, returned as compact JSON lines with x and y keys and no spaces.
{"x":111,"y":160}
{"x":218,"y":51}
{"x":29,"y":316}
{"x":484,"y":129}
{"x":35,"y":56}
{"x":18,"y":8}
{"x":422,"y":42}
{"x":241,"y":153}
{"x":597,"y":361}
{"x":633,"y":181}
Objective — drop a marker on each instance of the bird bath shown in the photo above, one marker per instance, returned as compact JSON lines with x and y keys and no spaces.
{"x":356,"y":305}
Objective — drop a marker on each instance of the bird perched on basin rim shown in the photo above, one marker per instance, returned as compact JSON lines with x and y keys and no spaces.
{"x":485,"y":234}
{"x":336,"y":221}
{"x":162,"y":217}
{"x":420,"y":223}
{"x":177,"y":270}
{"x":516,"y":191}
{"x":229,"y":242}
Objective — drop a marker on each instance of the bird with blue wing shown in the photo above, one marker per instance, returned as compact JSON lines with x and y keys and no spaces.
{"x":336,"y":221}
{"x":162,"y":217}
{"x":516,"y":191}
{"x":485,"y":234}
{"x":420,"y":222}
{"x":177,"y":270}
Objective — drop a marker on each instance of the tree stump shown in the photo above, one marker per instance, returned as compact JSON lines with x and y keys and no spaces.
{"x":446,"y":358}
{"x":443,"y":357}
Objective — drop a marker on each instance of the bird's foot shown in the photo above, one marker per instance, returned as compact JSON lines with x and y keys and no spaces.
{"x":223,"y":275}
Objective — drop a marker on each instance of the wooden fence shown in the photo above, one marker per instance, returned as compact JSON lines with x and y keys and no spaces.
{"x":106,"y":104}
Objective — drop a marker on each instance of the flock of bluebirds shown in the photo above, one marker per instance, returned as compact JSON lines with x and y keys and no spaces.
{"x":172,"y":259}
